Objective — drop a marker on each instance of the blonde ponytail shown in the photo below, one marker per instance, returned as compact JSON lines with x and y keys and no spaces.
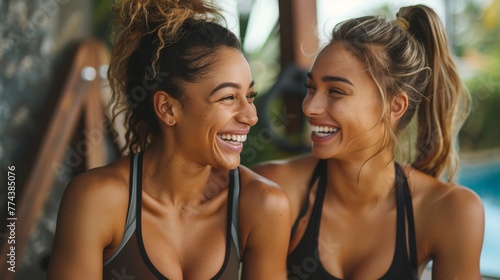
{"x":447,"y":102}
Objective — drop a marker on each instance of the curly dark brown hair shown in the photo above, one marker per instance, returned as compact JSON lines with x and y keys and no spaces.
{"x":159,"y":45}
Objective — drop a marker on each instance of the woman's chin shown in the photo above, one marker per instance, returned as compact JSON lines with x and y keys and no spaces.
{"x":235,"y":163}
{"x":321,"y":154}
{"x":228,"y":162}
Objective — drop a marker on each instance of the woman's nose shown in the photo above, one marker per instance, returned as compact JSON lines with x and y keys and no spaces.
{"x":313,"y":105}
{"x":248,"y":114}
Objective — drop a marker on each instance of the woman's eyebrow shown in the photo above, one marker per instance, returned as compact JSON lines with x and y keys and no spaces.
{"x":225,"y":85}
{"x":229,"y":84}
{"x":332,"y":79}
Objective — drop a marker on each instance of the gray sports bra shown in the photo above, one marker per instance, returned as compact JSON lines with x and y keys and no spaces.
{"x":131,"y":261}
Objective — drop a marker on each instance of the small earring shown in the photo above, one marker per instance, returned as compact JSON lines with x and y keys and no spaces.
{"x":170,"y":121}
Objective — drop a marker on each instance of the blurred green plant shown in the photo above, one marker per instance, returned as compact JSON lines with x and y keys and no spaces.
{"x":478,"y":46}
{"x":482,"y":129}
{"x":102,"y":20}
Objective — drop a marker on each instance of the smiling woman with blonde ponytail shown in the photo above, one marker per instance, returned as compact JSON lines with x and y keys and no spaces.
{"x":362,"y":210}
{"x":178,"y":204}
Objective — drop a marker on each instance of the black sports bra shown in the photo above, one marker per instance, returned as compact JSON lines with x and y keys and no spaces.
{"x":131,"y":260}
{"x":304,"y":263}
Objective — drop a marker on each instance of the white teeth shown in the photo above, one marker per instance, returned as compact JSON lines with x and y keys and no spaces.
{"x":233,"y":138}
{"x":324,"y":129}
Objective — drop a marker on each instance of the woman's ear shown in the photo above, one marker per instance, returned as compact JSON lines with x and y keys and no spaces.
{"x":399,"y":104}
{"x":165,"y":106}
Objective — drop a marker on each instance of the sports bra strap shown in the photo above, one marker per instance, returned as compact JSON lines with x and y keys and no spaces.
{"x":410,"y":219}
{"x":130,"y":224}
{"x":406,"y":204}
{"x":305,"y":204}
{"x":234,"y":184}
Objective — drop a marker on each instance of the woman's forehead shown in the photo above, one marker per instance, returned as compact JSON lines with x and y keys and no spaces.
{"x":336,"y":59}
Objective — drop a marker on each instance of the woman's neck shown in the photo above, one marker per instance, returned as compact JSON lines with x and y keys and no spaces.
{"x":170,"y":177}
{"x":361,"y":184}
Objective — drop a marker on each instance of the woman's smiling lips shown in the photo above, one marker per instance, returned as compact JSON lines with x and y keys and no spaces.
{"x":233,"y":140}
{"x":322,"y":132}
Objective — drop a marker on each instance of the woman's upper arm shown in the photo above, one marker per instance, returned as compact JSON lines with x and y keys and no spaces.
{"x":83,"y":230}
{"x":459,"y":242}
{"x":292,"y":176}
{"x":266,"y":215}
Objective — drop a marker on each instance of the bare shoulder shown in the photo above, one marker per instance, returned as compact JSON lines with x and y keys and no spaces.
{"x":461,"y":203}
{"x":262,"y":192}
{"x":293,"y":175}
{"x":98,"y":197}
{"x":107,"y":184}
{"x":449,"y":223}
{"x":444,"y":209}
{"x":264,"y":208}
{"x":287,"y":172}
{"x":448,"y":198}
{"x":288,"y":166}
{"x":90,"y":221}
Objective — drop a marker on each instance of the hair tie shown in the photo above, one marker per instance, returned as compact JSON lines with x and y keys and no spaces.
{"x":402,"y":22}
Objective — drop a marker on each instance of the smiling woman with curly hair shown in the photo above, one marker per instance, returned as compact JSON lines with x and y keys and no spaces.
{"x":179,"y":205}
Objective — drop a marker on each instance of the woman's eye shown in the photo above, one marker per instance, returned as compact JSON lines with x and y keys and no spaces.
{"x":252,"y":96}
{"x":226,"y":98}
{"x":336,"y":90}
{"x":308,"y":86}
